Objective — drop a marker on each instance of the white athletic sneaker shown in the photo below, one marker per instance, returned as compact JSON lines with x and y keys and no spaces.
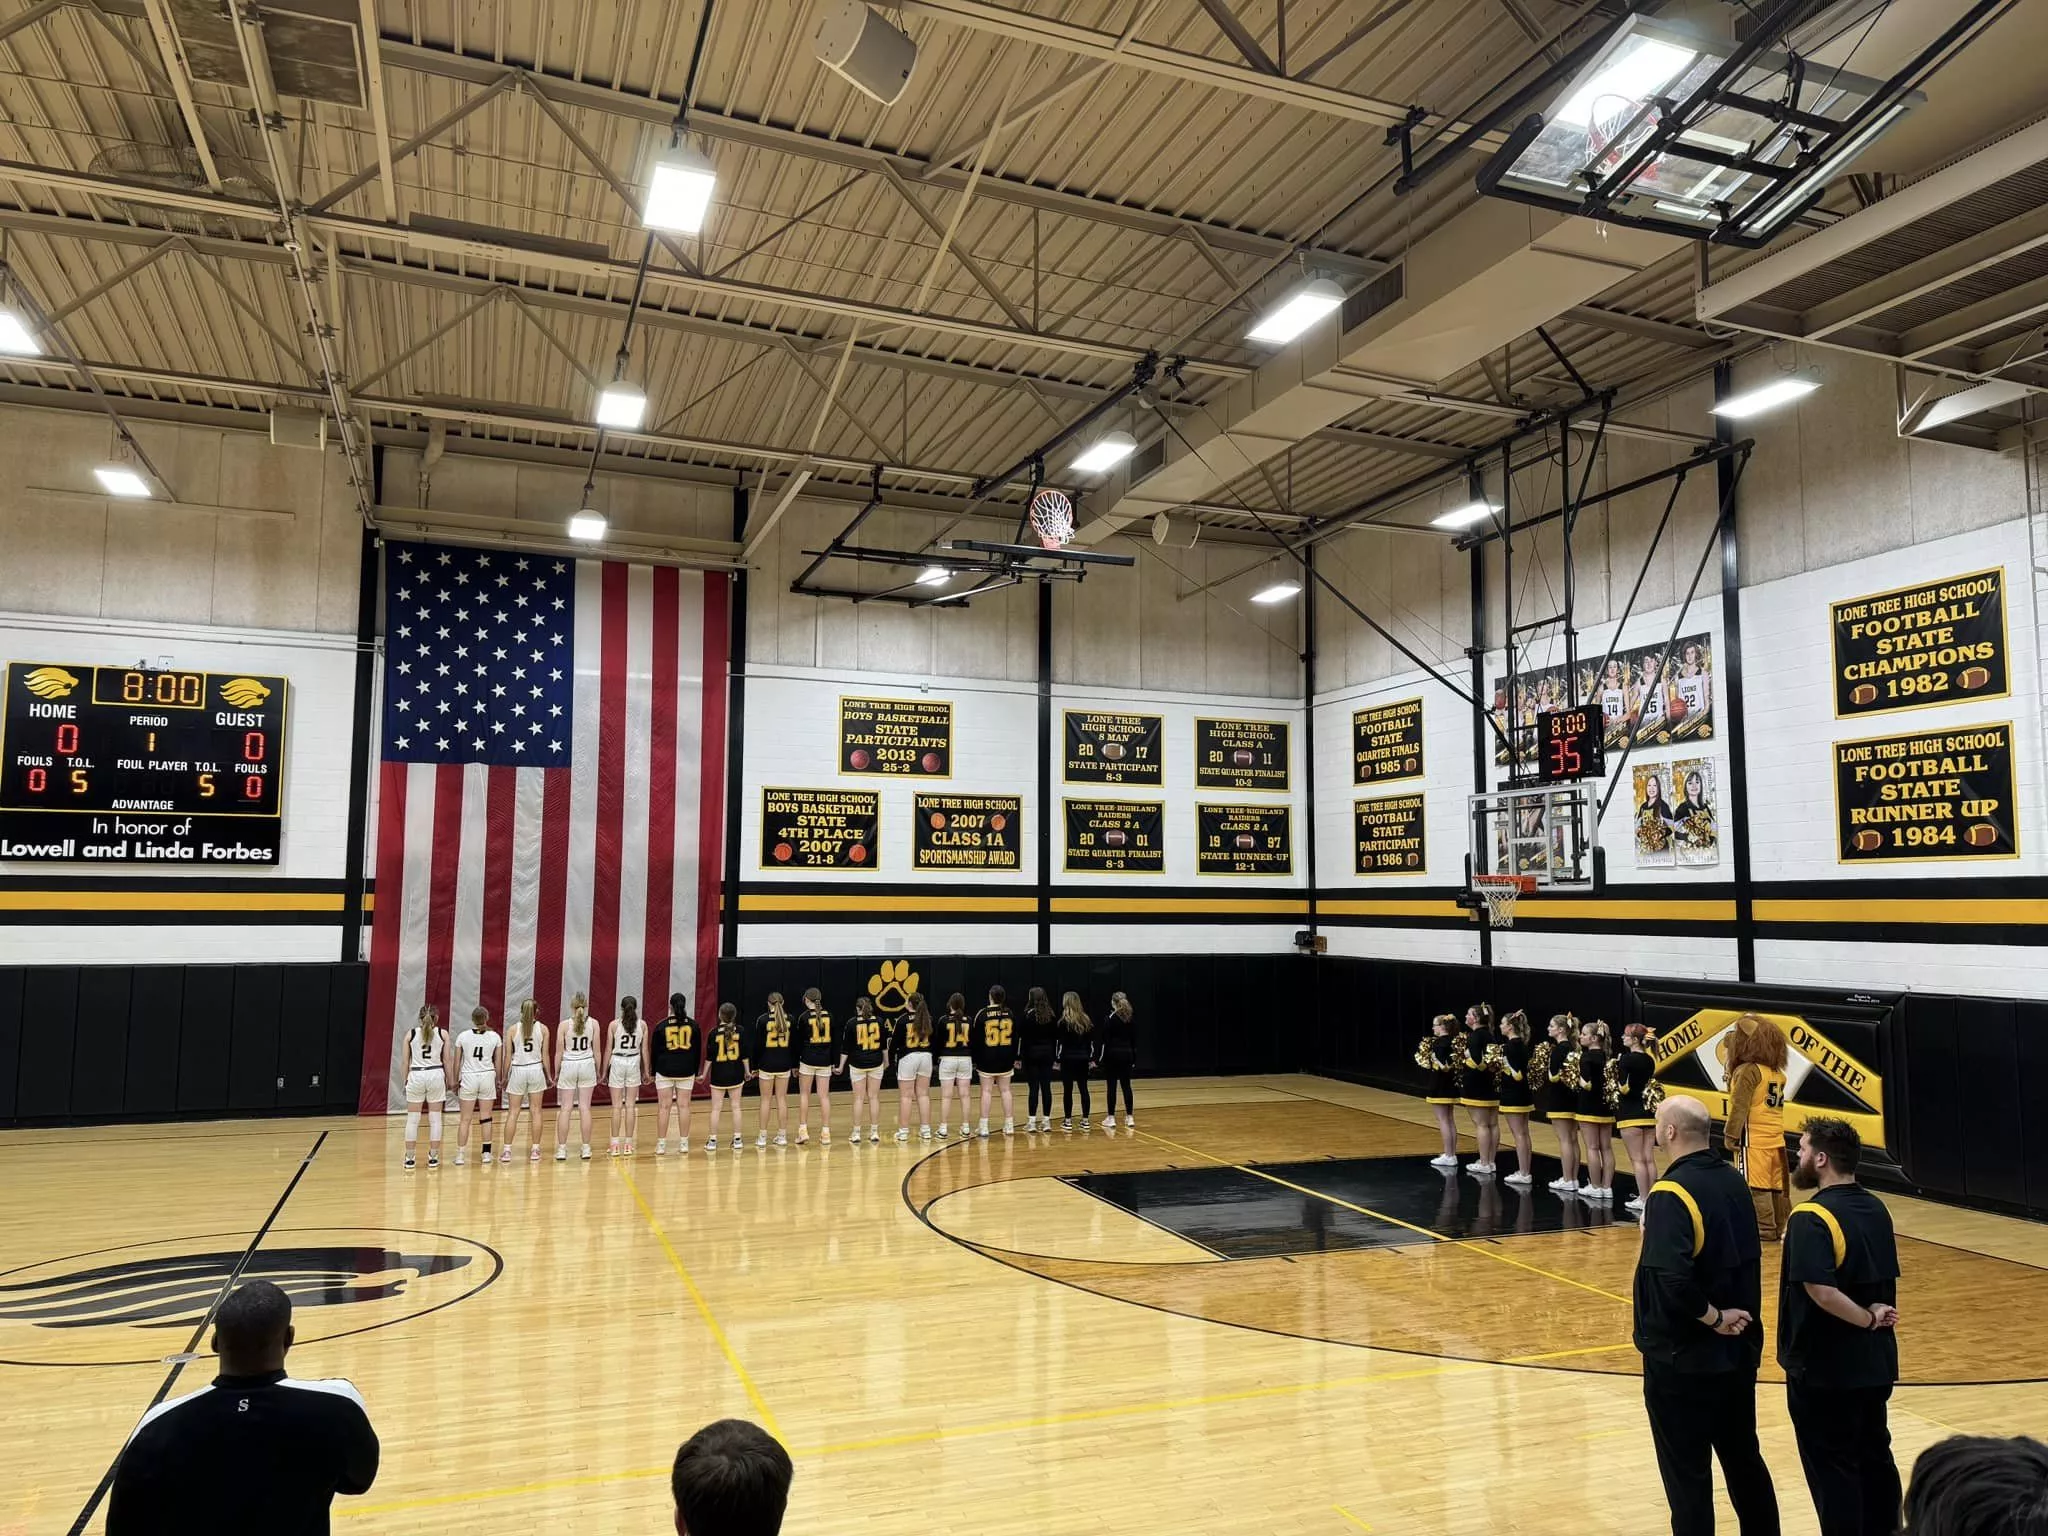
{"x":461,"y":1158}
{"x":1565,"y":1186}
{"x":683,"y":1145}
{"x":984,"y":1128}
{"x":1009,"y":1127}
{"x":1084,"y":1122}
{"x":1130,"y":1122}
{"x":661,"y":1146}
{"x":760,"y":1138}
{"x":1521,"y":1180}
{"x":433,"y":1159}
{"x":505,"y":1156}
{"x":903,"y":1133}
{"x":942,"y":1132}
{"x":711,"y":1145}
{"x":1479,"y":1169}
{"x":1067,"y":1123}
{"x":586,"y":1151}
{"x":825,"y":1137}
{"x":874,"y":1134}
{"x":410,"y":1165}
{"x":561,"y":1153}
{"x":615,"y":1146}
{"x":1598,"y":1194}
{"x":739,"y":1146}
{"x":924,"y":1133}
{"x":1031,"y":1122}
{"x":533,"y":1156}
{"x":1446,"y":1160}
{"x":1109,"y":1122}
{"x":1635,"y":1203}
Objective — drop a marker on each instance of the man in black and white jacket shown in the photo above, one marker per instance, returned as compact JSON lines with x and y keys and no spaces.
{"x":254,"y":1451}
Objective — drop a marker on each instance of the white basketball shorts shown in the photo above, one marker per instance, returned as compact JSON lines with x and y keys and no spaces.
{"x":532,"y":1078}
{"x":956,"y":1069}
{"x":577,"y":1072}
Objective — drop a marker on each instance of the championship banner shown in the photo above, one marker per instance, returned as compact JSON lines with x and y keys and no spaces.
{"x":1241,"y":754}
{"x":1386,"y":742}
{"x":1821,"y":1078}
{"x":820,"y":829}
{"x":968,"y":832}
{"x":1104,"y":748}
{"x":1244,"y":840}
{"x":1936,"y":643}
{"x":1113,"y":835}
{"x":1388,"y":836}
{"x":908,"y":736}
{"x":1943,"y":795}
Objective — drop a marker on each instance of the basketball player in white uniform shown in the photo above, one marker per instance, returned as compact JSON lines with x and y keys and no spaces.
{"x":575,"y":1073}
{"x":482,"y":1055}
{"x":426,"y":1083}
{"x":626,"y":1055}
{"x":527,"y":1081}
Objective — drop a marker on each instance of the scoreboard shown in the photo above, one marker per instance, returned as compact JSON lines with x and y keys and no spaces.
{"x":125,"y":765}
{"x":1570,"y":745}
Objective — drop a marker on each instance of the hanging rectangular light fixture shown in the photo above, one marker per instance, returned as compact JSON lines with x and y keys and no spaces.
{"x":1754,"y":402}
{"x":1278,"y":592}
{"x":16,"y":339}
{"x":1105,"y":453}
{"x":588,"y":525}
{"x":679,"y":191}
{"x":1465,"y":516}
{"x":621,"y":405}
{"x":933,"y":576}
{"x":120,"y":480}
{"x":1293,"y":315}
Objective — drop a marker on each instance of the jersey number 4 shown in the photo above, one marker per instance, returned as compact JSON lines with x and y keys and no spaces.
{"x":869,"y":1036}
{"x":476,"y":1053}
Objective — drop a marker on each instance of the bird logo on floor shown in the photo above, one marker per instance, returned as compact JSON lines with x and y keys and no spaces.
{"x":892,"y":985}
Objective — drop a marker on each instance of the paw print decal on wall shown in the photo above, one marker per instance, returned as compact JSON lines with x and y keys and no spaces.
{"x":892,"y":985}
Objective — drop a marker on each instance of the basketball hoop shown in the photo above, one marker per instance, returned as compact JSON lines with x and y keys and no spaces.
{"x":1501,"y":893}
{"x":1609,"y":137}
{"x":1052,"y":517}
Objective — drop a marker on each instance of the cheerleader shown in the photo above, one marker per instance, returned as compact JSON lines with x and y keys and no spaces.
{"x":1595,"y":1117}
{"x":478,"y":1056}
{"x":1438,"y":1056}
{"x":1116,"y":1053}
{"x":1517,"y":1093}
{"x":1480,"y":1092}
{"x":575,"y":1074}
{"x":864,"y":1056}
{"x":1561,"y":1075}
{"x":1638,"y":1093}
{"x":624,"y":1070}
{"x":1756,"y":1118}
{"x":678,"y":1050}
{"x":995,"y":1057}
{"x":1039,"y":1042}
{"x":914,"y":1070}
{"x":526,"y":1082}
{"x":956,"y":1063}
{"x":816,"y":1059}
{"x":426,"y":1083}
{"x":1076,"y":1050}
{"x":726,"y":1056}
{"x":773,"y":1058}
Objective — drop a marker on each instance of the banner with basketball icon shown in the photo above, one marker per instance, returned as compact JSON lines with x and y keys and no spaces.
{"x":820,"y":828}
{"x":896,"y":736}
{"x":968,"y":832}
{"x":1936,"y":795}
{"x":1651,"y":695}
{"x":1939,"y":642}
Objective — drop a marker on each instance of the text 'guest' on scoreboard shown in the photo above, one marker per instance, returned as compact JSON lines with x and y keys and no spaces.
{"x":135,"y":765}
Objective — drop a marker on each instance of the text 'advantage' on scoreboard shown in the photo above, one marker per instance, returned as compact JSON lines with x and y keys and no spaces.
{"x":820,"y":828}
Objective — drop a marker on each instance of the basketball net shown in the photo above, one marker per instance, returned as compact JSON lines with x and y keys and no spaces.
{"x":1052,"y":517}
{"x":1501,"y":893}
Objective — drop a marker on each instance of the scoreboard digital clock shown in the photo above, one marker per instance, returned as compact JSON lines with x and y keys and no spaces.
{"x":1571,"y":744}
{"x":126,"y":765}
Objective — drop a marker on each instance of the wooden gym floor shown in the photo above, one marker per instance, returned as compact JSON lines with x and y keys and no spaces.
{"x":1262,"y":1311}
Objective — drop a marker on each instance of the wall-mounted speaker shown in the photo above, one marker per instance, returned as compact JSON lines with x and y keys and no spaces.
{"x":865,"y":49}
{"x":1171,"y":534}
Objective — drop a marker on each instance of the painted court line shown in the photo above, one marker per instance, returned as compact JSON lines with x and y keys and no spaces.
{"x":1351,"y":1517}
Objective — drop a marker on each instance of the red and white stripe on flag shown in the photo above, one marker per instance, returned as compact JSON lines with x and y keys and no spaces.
{"x":496,"y":883}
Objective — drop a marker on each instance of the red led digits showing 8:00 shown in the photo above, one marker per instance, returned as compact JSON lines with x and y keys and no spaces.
{"x":1566,"y":760}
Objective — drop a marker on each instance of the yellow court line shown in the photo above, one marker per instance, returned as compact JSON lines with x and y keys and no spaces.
{"x":1435,"y":1237}
{"x":1351,"y":1517}
{"x":704,"y":1310}
{"x":1570,"y":1354}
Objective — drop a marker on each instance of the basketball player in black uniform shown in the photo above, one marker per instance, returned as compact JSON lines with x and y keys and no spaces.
{"x":956,"y":1063}
{"x":1038,"y":1047}
{"x":678,"y":1047}
{"x":773,"y":1058}
{"x":864,"y":1056}
{"x":726,"y":1056}
{"x":1116,"y":1054}
{"x":817,"y":1057}
{"x":995,"y":1057}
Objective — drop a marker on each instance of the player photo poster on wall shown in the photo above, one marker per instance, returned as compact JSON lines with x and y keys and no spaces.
{"x":1936,"y":643}
{"x":1113,"y":835}
{"x":1105,"y":748}
{"x":1388,"y":835}
{"x":820,"y":829}
{"x":1939,"y":795}
{"x":1243,"y":840}
{"x":907,"y":736}
{"x":1637,"y":699}
{"x":1675,"y":823}
{"x":1241,"y":754}
{"x":967,"y":832}
{"x":1386,"y":742}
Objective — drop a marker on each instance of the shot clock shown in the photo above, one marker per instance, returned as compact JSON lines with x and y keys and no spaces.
{"x":126,"y":765}
{"x":1570,"y":745}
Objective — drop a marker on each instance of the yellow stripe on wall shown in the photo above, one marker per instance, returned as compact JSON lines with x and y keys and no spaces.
{"x":1929,"y":909}
{"x":1413,"y":906}
{"x":1163,"y":906}
{"x":170,"y":901}
{"x":862,"y":903}
{"x":1613,"y":911}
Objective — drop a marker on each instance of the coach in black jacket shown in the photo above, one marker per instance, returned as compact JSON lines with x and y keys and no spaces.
{"x":256,"y":1451}
{"x":1698,"y":1295}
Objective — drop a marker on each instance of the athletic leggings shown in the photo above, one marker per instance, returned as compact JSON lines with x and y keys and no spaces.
{"x":1114,"y":1072}
{"x":1071,"y":1073}
{"x":1038,"y":1079}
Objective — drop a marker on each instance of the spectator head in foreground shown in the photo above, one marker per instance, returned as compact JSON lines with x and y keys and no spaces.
{"x":253,"y":1329}
{"x":731,"y":1478}
{"x":1979,"y":1485}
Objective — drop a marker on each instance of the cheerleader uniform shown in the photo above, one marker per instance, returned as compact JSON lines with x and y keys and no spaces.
{"x":1637,"y":1072}
{"x":1517,"y":1091}
{"x":1592,"y":1107}
{"x":1563,"y":1074}
{"x":1434,"y":1056}
{"x":1479,"y":1088}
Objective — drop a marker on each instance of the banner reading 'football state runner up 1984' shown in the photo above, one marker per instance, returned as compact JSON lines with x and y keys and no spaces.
{"x":1940,"y":642}
{"x":1935,"y":795}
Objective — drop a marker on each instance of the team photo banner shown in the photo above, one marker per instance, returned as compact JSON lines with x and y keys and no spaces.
{"x":1112,"y":835}
{"x":1639,"y":700}
{"x":1942,"y":795}
{"x":1388,"y":837}
{"x":1386,"y":742}
{"x":1933,"y":643}
{"x":1241,"y":754}
{"x":968,"y":832}
{"x":906,"y":736}
{"x":1104,"y":748}
{"x":1244,"y":840}
{"x":820,"y":829}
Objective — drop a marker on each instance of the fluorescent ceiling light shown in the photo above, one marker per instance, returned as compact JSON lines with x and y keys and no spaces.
{"x":588,"y":525}
{"x":934,"y":575}
{"x":1278,"y":592}
{"x":1297,"y":312}
{"x":1754,"y":402}
{"x":15,"y":336}
{"x":1465,"y":516}
{"x":1105,"y":453}
{"x":679,"y":191}
{"x":1791,"y":201}
{"x":1641,"y":67}
{"x":120,"y":480}
{"x":621,"y":405}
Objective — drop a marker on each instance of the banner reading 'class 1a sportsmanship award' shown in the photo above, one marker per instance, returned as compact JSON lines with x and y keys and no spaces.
{"x":1939,"y":795}
{"x":1115,"y":835}
{"x":967,"y":832}
{"x":1388,"y":835}
{"x":1107,"y":748}
{"x":1241,"y":754}
{"x":1386,"y":742}
{"x":908,"y":736}
{"x":1934,"y":643}
{"x":1243,"y":840}
{"x":820,"y":828}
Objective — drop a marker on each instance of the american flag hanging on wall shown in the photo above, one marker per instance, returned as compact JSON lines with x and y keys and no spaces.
{"x":551,"y":792}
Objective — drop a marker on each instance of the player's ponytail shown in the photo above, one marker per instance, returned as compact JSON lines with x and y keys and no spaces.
{"x":1601,"y":1033}
{"x":1073,"y":1017}
{"x":529,"y":1015}
{"x":629,"y":1016}
{"x":956,"y":1007}
{"x":921,"y":1014}
{"x":1516,"y":1025}
{"x":776,"y":1011}
{"x":579,"y":1006}
{"x":1038,"y":1006}
{"x":430,"y":1028}
{"x":726,"y":1014}
{"x":1120,"y":1005}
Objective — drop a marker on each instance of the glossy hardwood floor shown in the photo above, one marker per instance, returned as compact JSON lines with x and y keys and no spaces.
{"x":979,"y":1337}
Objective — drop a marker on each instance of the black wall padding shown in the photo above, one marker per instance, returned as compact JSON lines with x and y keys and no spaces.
{"x":153,"y":1042}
